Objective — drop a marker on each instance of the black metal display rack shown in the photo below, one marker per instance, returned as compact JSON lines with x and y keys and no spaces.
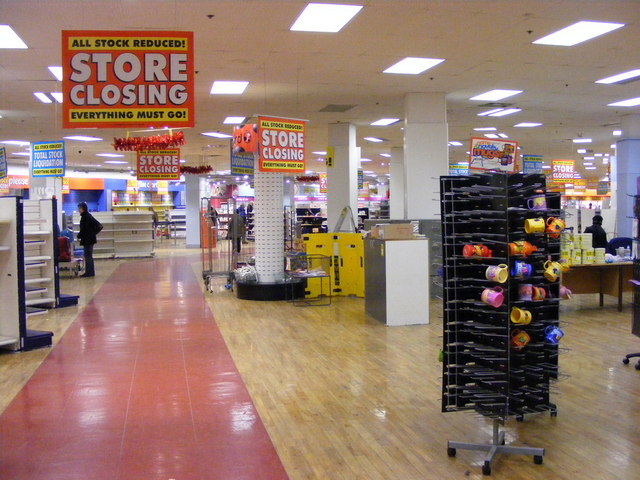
{"x":635,"y":324}
{"x":484,"y":369}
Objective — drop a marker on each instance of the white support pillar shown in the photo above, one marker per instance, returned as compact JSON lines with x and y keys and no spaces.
{"x":425,"y":153}
{"x":397,"y":202}
{"x":627,"y":173}
{"x":192,"y":204}
{"x":342,"y":178}
{"x":269,"y":226}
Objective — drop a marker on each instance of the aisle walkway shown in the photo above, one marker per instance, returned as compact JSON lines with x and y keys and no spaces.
{"x":141,"y":387}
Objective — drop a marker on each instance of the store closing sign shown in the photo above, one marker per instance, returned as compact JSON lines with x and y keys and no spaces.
{"x":159,"y":164}
{"x":127,"y":79}
{"x":563,"y":171}
{"x":282,"y":145}
{"x":47,"y":159}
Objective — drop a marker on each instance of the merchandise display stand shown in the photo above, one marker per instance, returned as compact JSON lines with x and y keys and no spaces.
{"x":11,"y":273}
{"x":500,"y":345}
{"x":310,"y":268}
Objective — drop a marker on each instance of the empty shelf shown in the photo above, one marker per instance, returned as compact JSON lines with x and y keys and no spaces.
{"x":39,"y":301}
{"x":34,"y":233}
{"x":4,"y":249}
{"x":150,"y":240}
{"x":31,"y":311}
{"x":31,"y":281}
{"x":35,"y":265}
{"x":37,"y":258}
{"x":7,"y":340}
{"x":32,"y":291}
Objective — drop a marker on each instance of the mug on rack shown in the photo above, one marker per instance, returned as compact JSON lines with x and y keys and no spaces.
{"x":525,"y":292}
{"x":520,"y":316}
{"x":521,"y":270}
{"x":538,"y":293}
{"x":534,"y":225}
{"x":555,"y":226}
{"x":537,"y":202}
{"x":497,"y":273}
{"x":493,"y":296}
{"x":565,"y":293}
{"x":519,"y":339}
{"x":552,"y":270}
{"x":553,"y":334}
{"x":478,"y":250}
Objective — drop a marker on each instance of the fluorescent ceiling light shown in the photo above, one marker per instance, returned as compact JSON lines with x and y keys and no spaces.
{"x":383,"y":122}
{"x":631,"y":102}
{"x":223,"y":87}
{"x":42,"y":97}
{"x":413,"y":65}
{"x":489,"y":112}
{"x":621,"y":77}
{"x":182,"y":160}
{"x":503,"y":135}
{"x":581,"y":140}
{"x":386,"y":155}
{"x":491,"y":135}
{"x":19,"y":143}
{"x":216,"y":134}
{"x":606,"y":154}
{"x":527,"y":125}
{"x":494,"y":95}
{"x":587,"y":164}
{"x":546,"y":167}
{"x":455,"y":144}
{"x":589,"y":158}
{"x":82,"y":138}
{"x":589,"y":168}
{"x":324,"y":17}
{"x":577,"y":33}
{"x":505,"y":112}
{"x":462,"y":163}
{"x":597,"y":154}
{"x":582,"y":150}
{"x":110,"y":155}
{"x":485,"y":129}
{"x":617,"y":133}
{"x":613,"y":145}
{"x":9,"y":38}
{"x":234,"y":120}
{"x":116,"y":161}
{"x":319,"y":152}
{"x":365,"y":160}
{"x":57,"y":96}
{"x":369,"y":171}
{"x":22,"y":154}
{"x":56,"y":72}
{"x":373,"y":139}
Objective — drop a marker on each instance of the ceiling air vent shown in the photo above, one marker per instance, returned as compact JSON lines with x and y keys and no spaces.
{"x":495,"y":105}
{"x":333,"y":108}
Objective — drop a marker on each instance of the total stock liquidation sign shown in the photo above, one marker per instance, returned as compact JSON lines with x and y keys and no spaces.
{"x":115,"y":79}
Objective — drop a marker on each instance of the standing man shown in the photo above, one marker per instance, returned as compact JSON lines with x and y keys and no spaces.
{"x":236,"y":231}
{"x":89,"y":229}
{"x":599,"y":235}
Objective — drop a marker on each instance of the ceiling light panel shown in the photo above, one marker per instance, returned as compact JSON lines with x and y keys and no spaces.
{"x":57,"y":96}
{"x":19,"y":143}
{"x":577,"y":33}
{"x":383,"y":122}
{"x":413,"y":65}
{"x":631,"y":102}
{"x":42,"y":97}
{"x":324,"y":17}
{"x":582,"y":140}
{"x":485,"y":129}
{"x":527,"y":125}
{"x":216,"y":135}
{"x":491,"y":135}
{"x":505,"y":112}
{"x":82,"y":138}
{"x":234,"y":120}
{"x":455,"y":144}
{"x":228,"y":87}
{"x":373,"y":139}
{"x":385,"y":155}
{"x":110,"y":155}
{"x":621,"y":77}
{"x":56,"y":72}
{"x":495,"y":95}
{"x":9,"y":38}
{"x":490,"y":112}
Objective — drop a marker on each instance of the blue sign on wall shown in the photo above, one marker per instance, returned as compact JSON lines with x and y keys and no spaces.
{"x":3,"y":162}
{"x":532,"y":164}
{"x":47,"y":159}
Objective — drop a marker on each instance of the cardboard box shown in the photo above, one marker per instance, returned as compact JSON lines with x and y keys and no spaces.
{"x":392,"y":231}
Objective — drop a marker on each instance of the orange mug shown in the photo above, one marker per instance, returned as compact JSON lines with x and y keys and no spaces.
{"x":555,"y":226}
{"x":519,"y":339}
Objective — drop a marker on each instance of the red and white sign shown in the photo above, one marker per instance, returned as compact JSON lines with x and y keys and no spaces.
{"x":159,"y":164}
{"x":282,"y":145}
{"x":127,"y":79}
{"x":494,"y":155}
{"x":562,"y":171}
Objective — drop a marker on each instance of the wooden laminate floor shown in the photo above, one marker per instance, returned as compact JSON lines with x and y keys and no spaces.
{"x":343,"y":397}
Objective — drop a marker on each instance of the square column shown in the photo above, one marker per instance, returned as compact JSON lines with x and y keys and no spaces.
{"x":426,"y":154}
{"x":342,"y":178}
{"x":397,"y":193}
{"x":192,"y":211}
{"x":269,"y":226}
{"x":627,"y":174}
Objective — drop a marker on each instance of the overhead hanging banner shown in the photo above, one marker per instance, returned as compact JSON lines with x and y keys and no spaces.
{"x":4,"y":186}
{"x":323,"y":183}
{"x":115,"y":79}
{"x":3,"y":163}
{"x":532,"y":164}
{"x":66,"y":189}
{"x":282,"y":145}
{"x":562,"y":172}
{"x":495,"y":155}
{"x":159,"y":164}
{"x":47,"y":159}
{"x":459,"y":170}
{"x":242,"y":161}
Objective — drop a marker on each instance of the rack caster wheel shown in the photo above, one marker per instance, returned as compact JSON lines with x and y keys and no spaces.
{"x":486,"y":468}
{"x":625,"y":361}
{"x":451,"y":452}
{"x":553,"y":413}
{"x":519,"y":418}
{"x":637,"y":367}
{"x":537,"y":459}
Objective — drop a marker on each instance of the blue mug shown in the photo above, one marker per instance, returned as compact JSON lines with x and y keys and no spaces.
{"x":553,"y":334}
{"x":521,"y":270}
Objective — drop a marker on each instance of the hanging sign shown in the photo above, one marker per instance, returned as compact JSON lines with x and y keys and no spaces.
{"x":323,"y":183}
{"x":360,"y":179}
{"x":47,"y":159}
{"x":489,"y":154}
{"x":159,"y":164}
{"x":328,"y":160}
{"x":562,"y":171}
{"x":579,"y":185}
{"x":4,"y":186}
{"x":66,"y":189}
{"x":531,"y":164}
{"x":282,"y":145}
{"x":242,"y":161}
{"x":459,"y":170}
{"x":127,"y":79}
{"x":3,"y":163}
{"x":132,"y":186}
{"x":162,"y":187}
{"x":603,"y":188}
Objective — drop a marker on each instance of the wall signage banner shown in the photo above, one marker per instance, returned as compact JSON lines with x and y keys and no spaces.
{"x":116,"y":79}
{"x":162,"y":187}
{"x":4,"y":186}
{"x":458,"y":170}
{"x":47,"y":159}
{"x":66,"y":189}
{"x":562,"y":171}
{"x":489,"y":154}
{"x":580,"y":185}
{"x":242,"y":162}
{"x":159,"y":164}
{"x":282,"y":145}
{"x":328,"y":160}
{"x":3,"y":162}
{"x":532,"y":164}
{"x":323,"y":183}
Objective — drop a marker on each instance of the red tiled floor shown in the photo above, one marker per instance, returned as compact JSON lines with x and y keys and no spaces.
{"x":142,"y":386}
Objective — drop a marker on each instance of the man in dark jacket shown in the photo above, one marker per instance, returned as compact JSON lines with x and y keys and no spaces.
{"x":89,"y":229}
{"x":598,"y":233}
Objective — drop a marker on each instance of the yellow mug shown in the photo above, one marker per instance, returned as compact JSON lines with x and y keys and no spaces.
{"x":520,"y":316}
{"x":552,"y":270}
{"x":534,"y":225}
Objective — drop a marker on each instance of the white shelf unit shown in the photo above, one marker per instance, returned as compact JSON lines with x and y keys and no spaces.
{"x":133,"y":234}
{"x":11,"y":294}
{"x":41,"y":267}
{"x":179,"y":219}
{"x":105,"y":248}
